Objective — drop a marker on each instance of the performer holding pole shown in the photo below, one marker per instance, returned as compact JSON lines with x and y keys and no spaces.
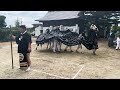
{"x":11,"y":47}
{"x":24,"y":48}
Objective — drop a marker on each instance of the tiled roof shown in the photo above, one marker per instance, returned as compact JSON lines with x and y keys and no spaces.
{"x":60,"y":15}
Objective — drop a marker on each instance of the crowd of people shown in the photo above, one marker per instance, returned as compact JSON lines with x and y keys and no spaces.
{"x":114,"y":39}
{"x":24,"y":43}
{"x":90,"y":42}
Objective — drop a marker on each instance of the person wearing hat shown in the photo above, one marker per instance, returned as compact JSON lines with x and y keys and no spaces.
{"x":93,"y":37}
{"x":24,"y":47}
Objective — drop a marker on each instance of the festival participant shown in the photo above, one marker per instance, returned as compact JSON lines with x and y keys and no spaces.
{"x":111,"y":37}
{"x":118,"y":42}
{"x":93,"y":38}
{"x":56,"y":43}
{"x":24,"y":47}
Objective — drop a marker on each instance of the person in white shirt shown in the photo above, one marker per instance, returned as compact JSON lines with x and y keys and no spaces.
{"x":118,"y":43}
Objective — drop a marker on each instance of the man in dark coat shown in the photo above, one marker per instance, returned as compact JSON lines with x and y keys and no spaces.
{"x":93,"y":37}
{"x":24,"y":47}
{"x":111,"y":37}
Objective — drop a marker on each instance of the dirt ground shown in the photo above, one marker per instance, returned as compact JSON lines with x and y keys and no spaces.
{"x":63,"y":65}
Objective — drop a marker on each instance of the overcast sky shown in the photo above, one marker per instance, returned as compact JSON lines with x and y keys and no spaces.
{"x":27,"y":17}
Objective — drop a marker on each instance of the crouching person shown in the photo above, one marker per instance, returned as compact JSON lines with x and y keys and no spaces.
{"x":24,"y":48}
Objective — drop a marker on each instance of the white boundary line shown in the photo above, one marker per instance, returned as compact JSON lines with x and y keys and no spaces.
{"x":46,"y":72}
{"x":78,"y":72}
{"x":51,"y":61}
{"x":50,"y":74}
{"x":42,"y":72}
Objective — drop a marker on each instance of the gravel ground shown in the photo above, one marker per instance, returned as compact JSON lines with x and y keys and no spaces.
{"x":63,"y":65}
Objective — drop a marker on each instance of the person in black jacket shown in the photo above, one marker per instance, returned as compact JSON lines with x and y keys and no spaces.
{"x":93,"y":37}
{"x":111,"y":37}
{"x":24,"y":47}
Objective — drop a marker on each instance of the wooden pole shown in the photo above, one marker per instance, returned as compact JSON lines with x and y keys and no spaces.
{"x":11,"y":47}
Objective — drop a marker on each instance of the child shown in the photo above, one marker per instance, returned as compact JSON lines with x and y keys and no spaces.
{"x":118,"y":43}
